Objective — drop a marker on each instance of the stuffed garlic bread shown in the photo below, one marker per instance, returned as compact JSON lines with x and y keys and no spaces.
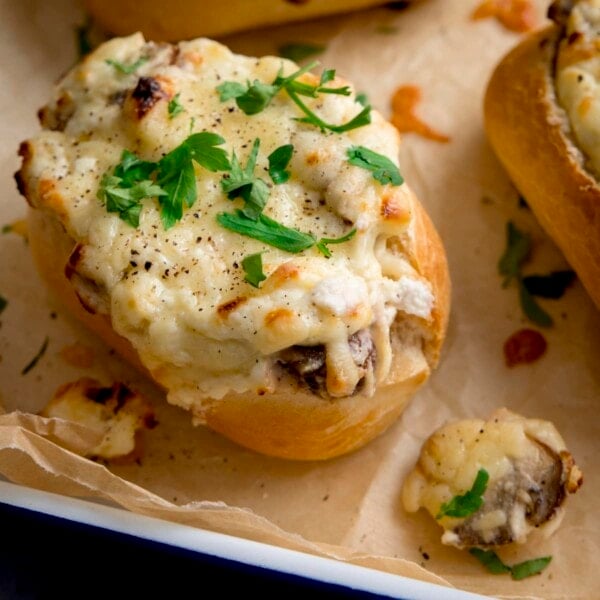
{"x":239,"y":228}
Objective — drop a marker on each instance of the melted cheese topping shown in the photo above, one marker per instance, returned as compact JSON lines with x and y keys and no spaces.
{"x":578,"y":78}
{"x":179,"y":295}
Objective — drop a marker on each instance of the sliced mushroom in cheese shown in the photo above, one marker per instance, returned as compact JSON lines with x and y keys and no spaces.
{"x":530,"y":475}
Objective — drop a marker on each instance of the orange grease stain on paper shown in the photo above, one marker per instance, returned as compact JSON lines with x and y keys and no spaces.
{"x":404,"y":103}
{"x":515,"y":15}
{"x":78,"y":355}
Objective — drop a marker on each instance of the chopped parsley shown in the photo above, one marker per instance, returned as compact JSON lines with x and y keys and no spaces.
{"x":253,"y":98}
{"x":3,"y":303}
{"x":34,"y":361}
{"x":175,"y":107}
{"x":469,"y":502}
{"x":300,"y":51}
{"x":172,"y":179}
{"x":252,"y":265}
{"x":279,"y":159}
{"x":7,"y":228}
{"x":323,"y":242}
{"x":241,"y":183}
{"x":126,"y":69}
{"x":267,"y":230}
{"x":493,"y":563}
{"x":362,"y":99}
{"x":382,"y":168}
{"x":518,"y":249}
{"x":82,"y":38}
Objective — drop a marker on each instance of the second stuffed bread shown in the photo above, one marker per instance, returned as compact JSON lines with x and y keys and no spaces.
{"x":542,"y":116}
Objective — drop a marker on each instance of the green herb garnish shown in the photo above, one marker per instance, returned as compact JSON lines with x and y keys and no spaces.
{"x":493,"y":563}
{"x":253,"y":268}
{"x":124,"y":68}
{"x":278,"y":162}
{"x":34,"y":361}
{"x":323,"y":242}
{"x":3,"y":303}
{"x":469,"y":502}
{"x":383,"y":169}
{"x":362,"y":99}
{"x":241,"y":183}
{"x":277,"y":235}
{"x":299,"y":51}
{"x":6,"y":228}
{"x":529,"y":567}
{"x":551,"y":286}
{"x":82,"y":38}
{"x":490,"y":560}
{"x":267,"y":230}
{"x":532,"y":310}
{"x":126,"y":200}
{"x":518,"y":248}
{"x":174,"y":107}
{"x":172,"y":179}
{"x":254,"y":97}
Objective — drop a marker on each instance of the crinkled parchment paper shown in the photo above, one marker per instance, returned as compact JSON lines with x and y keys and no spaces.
{"x":348,"y":507}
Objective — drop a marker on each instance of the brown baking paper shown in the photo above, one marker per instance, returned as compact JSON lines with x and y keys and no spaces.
{"x":348,"y":508}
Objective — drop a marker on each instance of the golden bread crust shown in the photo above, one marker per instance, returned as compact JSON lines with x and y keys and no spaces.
{"x":185,"y":19}
{"x":291,"y":423}
{"x":529,"y":133}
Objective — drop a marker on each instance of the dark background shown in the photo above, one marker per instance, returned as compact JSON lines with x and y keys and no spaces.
{"x":48,"y":557}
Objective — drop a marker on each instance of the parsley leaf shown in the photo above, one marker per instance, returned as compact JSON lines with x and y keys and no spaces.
{"x":203,"y":150}
{"x":174,"y":181}
{"x":255,"y":97}
{"x":231,"y":89}
{"x":300,"y":51}
{"x":518,"y":247}
{"x":251,"y":98}
{"x":124,"y":197}
{"x":241,"y":183}
{"x":176,"y":176}
{"x":362,"y":99}
{"x":34,"y":361}
{"x":278,"y":162}
{"x":490,"y":560}
{"x":174,"y":107}
{"x":267,"y":230}
{"x":493,"y":563}
{"x":383,"y":169}
{"x":532,"y":310}
{"x":469,"y":502}
{"x":552,"y":286}
{"x":82,"y":38}
{"x":252,"y":265}
{"x":529,"y":567}
{"x":323,"y":242}
{"x":126,"y":69}
{"x":3,"y":303}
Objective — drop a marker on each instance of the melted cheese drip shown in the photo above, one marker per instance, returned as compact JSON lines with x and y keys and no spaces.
{"x":167,"y":289}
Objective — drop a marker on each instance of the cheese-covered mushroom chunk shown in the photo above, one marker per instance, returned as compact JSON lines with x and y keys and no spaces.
{"x":490,"y":483}
{"x":116,"y":412}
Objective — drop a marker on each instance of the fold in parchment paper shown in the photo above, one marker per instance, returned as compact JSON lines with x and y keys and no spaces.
{"x":348,"y":508}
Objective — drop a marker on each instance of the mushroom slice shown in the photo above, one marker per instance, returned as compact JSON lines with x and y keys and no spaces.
{"x":115,"y":411}
{"x":529,"y":470}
